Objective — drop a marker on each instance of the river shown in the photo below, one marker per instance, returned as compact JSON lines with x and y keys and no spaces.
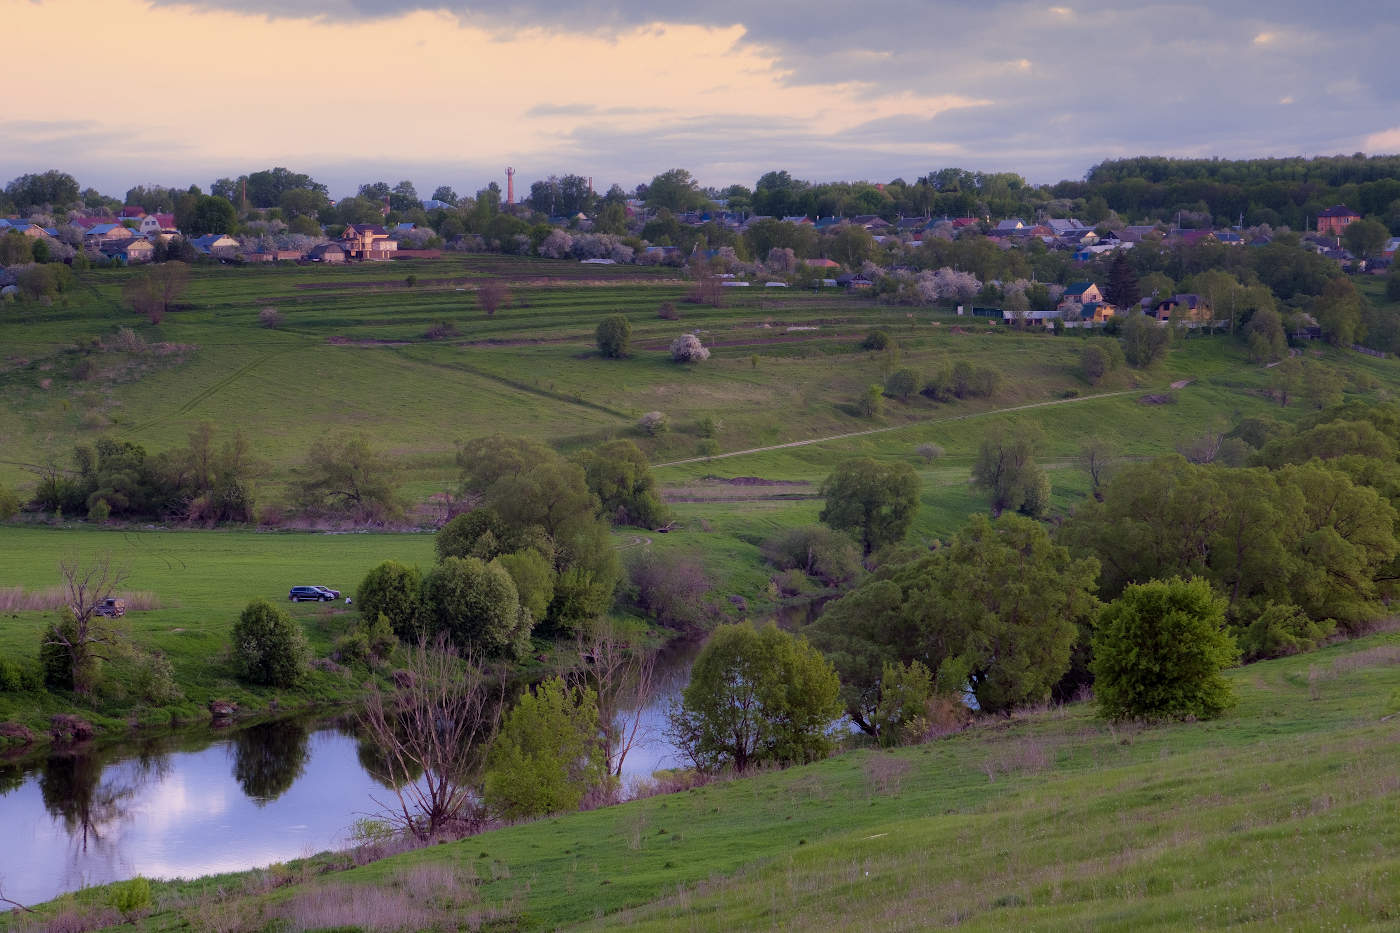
{"x":180,"y":806}
{"x":189,"y":805}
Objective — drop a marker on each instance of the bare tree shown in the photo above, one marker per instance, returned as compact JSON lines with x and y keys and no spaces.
{"x":622,"y":674}
{"x":492,"y":295}
{"x":432,"y":730}
{"x":1097,"y":458}
{"x":154,"y":291}
{"x":84,"y":634}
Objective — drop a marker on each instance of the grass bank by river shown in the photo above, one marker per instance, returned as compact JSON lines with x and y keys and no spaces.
{"x":200,"y":581}
{"x":1280,"y":815}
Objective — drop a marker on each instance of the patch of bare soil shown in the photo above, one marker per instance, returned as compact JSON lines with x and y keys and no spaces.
{"x":740,"y":489}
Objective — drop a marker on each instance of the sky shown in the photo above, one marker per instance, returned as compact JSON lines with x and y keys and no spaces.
{"x":126,"y":92}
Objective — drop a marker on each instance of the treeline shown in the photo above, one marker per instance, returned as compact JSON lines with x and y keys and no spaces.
{"x":1298,"y":544}
{"x":1276,"y":192}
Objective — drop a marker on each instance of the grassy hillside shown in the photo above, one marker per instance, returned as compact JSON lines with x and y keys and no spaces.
{"x":352,"y":354}
{"x":1278,"y":816}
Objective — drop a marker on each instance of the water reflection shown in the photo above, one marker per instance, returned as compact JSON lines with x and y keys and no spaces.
{"x":268,"y":758}
{"x":179,"y":807}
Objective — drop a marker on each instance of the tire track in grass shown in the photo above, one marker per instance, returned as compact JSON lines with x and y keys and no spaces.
{"x":896,"y":427}
{"x":458,"y":366}
{"x":214,"y":389}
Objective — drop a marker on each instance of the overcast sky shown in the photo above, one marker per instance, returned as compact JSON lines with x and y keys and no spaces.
{"x":120,"y":92}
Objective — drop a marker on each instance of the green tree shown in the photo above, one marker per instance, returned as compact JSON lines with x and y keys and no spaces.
{"x":1124,"y":291}
{"x":345,"y":475}
{"x":874,"y":502}
{"x":905,"y":690}
{"x":548,"y":755}
{"x":675,"y":191}
{"x":1159,"y":650}
{"x":615,"y":336}
{"x":533,"y":577}
{"x":210,"y":214}
{"x":756,"y":696}
{"x":269,"y":647}
{"x":901,"y":384}
{"x":1338,"y":310}
{"x":1365,"y":238}
{"x":477,"y":606}
{"x":394,"y":591}
{"x":1005,"y":467}
{"x":1144,"y":340}
{"x":619,"y":475}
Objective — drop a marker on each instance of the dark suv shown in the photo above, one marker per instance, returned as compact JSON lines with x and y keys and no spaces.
{"x":312,"y":593}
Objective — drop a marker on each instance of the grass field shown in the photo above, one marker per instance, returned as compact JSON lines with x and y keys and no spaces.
{"x":201,"y":581}
{"x":351,"y":354}
{"x":1279,"y":816}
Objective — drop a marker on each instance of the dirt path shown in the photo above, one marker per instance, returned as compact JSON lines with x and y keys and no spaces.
{"x":896,"y":427}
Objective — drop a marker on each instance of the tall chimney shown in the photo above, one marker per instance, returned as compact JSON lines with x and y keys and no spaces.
{"x":510,"y":185}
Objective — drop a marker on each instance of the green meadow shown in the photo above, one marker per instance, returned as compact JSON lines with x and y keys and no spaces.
{"x":404,"y":354}
{"x":1281,"y":815}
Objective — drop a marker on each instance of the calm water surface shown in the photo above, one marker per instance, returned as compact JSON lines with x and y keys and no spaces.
{"x":179,"y":807}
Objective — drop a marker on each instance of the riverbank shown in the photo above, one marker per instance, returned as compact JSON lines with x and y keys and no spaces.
{"x":1278,"y":815}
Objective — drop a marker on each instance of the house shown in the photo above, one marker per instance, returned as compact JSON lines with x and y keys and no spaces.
{"x":326,"y":252}
{"x":1062,"y":227}
{"x":274,"y":255}
{"x":1081,"y":293}
{"x":107,"y":233}
{"x":25,"y":227}
{"x":821,"y":263}
{"x":871,"y":222}
{"x":1193,"y":308}
{"x":797,"y":219}
{"x":1011,"y":223}
{"x":133,"y":212}
{"x":1335,"y":219}
{"x":153,"y":224}
{"x":1097,"y":311}
{"x":1229,"y":238}
{"x":854,"y":281}
{"x":367,"y":241}
{"x":129,"y":251}
{"x":433,"y":204}
{"x":1136,"y":233}
{"x":1388,"y":251}
{"x":1192,"y":237}
{"x":218,"y":245}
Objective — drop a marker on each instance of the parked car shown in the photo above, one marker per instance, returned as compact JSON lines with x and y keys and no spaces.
{"x":315,"y":594}
{"x":333,"y":594}
{"x":111,"y":607}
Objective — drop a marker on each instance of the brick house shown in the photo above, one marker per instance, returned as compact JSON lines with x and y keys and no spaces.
{"x":1335,"y":219}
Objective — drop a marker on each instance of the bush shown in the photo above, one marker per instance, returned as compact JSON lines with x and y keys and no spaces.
{"x":153,"y":679}
{"x":1159,"y":650}
{"x":270,"y":318}
{"x":477,"y":605}
{"x":548,"y":754}
{"x":16,"y":675}
{"x":668,"y":312}
{"x":670,"y":588}
{"x":269,"y":647}
{"x":394,"y":592}
{"x":687,"y":348}
{"x":614,"y":337}
{"x":875,"y":340}
{"x":905,"y":692}
{"x":872,"y":403}
{"x":1281,"y":630}
{"x":9,"y":503}
{"x":99,"y":512}
{"x":930,"y":452}
{"x":901,"y":384}
{"x":820,"y":552}
{"x":129,"y":897}
{"x":653,"y":423}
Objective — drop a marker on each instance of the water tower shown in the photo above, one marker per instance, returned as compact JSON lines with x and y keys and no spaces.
{"x":510,"y":185}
